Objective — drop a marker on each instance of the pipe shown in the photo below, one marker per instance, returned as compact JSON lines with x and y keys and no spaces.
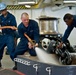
{"x":30,"y":40}
{"x":11,"y":27}
{"x":38,"y":5}
{"x":55,"y":8}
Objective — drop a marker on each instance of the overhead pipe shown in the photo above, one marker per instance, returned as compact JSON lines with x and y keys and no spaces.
{"x":55,"y":8}
{"x":38,"y":5}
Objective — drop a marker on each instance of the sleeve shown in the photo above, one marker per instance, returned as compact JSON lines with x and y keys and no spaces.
{"x":67,"y":33}
{"x":21,"y":33}
{"x":13,"y":21}
{"x":0,"y":20}
{"x":36,"y":32}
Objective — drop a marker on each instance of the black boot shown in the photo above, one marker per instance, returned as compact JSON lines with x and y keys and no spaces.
{"x":0,"y":64}
{"x":15,"y":67}
{"x":7,"y":53}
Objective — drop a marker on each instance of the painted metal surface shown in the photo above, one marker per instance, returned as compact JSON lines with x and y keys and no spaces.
{"x":34,"y":67}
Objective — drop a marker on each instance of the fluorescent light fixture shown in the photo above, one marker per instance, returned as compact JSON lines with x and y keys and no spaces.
{"x":28,"y":6}
{"x":31,"y":2}
{"x":69,"y":1}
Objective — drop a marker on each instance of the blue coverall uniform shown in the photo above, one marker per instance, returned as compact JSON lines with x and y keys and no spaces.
{"x":7,"y":37}
{"x":33,"y":32}
{"x":69,"y":29}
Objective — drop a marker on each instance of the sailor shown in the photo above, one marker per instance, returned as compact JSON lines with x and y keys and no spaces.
{"x":70,"y":21}
{"x":31,"y":28}
{"x":8,"y":27}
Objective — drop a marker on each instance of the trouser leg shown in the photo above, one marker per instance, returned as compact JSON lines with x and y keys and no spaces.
{"x":2,"y":45}
{"x":32,"y":52}
{"x":1,"y":54}
{"x":21,"y":48}
{"x":10,"y":45}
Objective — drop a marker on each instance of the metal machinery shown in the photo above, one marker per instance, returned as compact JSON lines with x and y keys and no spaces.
{"x":48,"y":25}
{"x":30,"y":65}
{"x":50,"y":38}
{"x":48,"y":29}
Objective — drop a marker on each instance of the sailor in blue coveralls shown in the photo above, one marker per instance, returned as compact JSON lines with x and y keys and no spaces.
{"x":7,"y":36}
{"x":30,"y":27}
{"x":70,"y":21}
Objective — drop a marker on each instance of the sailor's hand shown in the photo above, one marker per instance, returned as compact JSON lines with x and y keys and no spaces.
{"x":60,"y":45}
{"x":13,"y":28}
{"x":30,"y":45}
{"x":36,"y":45}
{"x":0,"y":27}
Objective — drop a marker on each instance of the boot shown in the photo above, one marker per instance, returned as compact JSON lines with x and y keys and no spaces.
{"x":15,"y":67}
{"x":7,"y":53}
{"x":0,"y":64}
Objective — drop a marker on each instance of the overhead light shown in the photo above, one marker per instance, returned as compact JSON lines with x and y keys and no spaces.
{"x":31,"y":2}
{"x":28,"y":6}
{"x":69,"y":1}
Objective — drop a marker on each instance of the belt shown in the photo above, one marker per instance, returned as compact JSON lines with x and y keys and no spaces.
{"x":3,"y":34}
{"x":0,"y":33}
